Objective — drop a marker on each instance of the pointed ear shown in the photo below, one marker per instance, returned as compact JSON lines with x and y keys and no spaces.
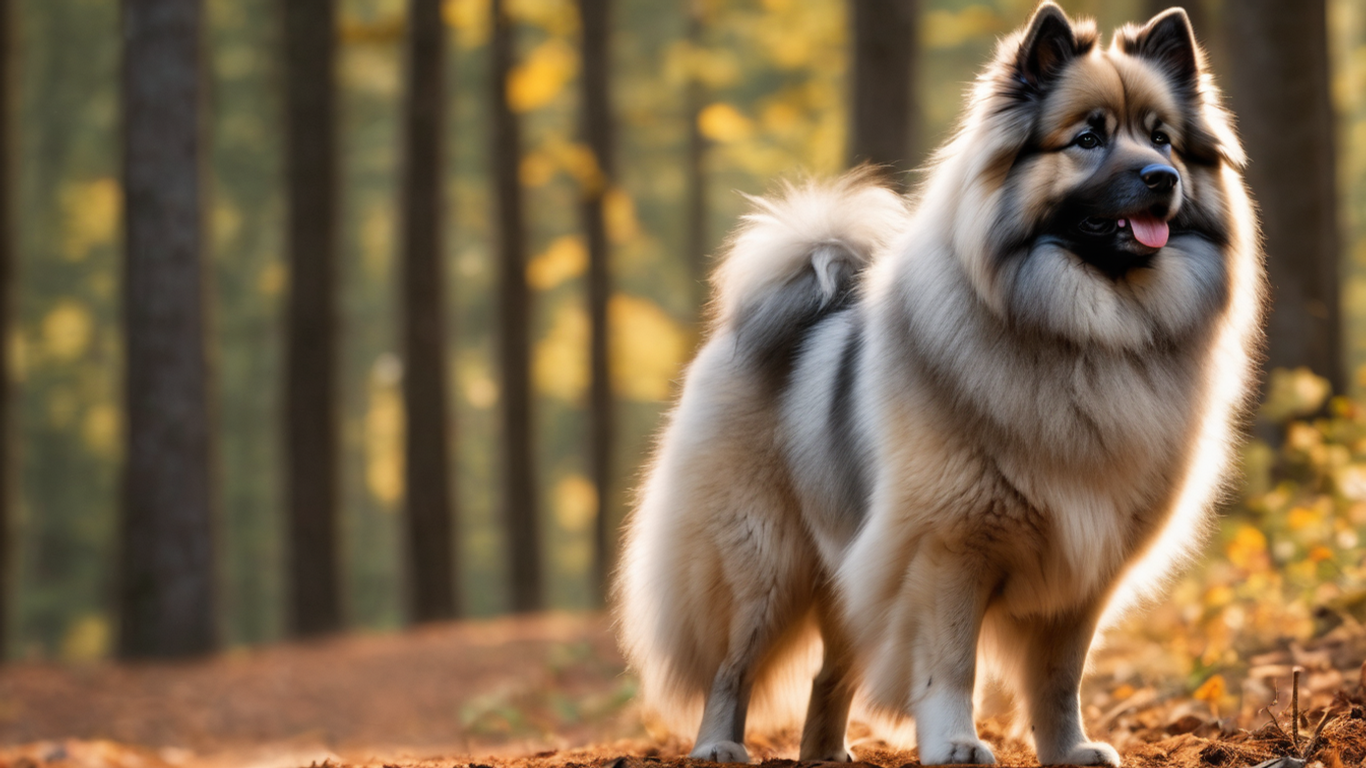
{"x":1168,"y":42}
{"x":1049,"y":44}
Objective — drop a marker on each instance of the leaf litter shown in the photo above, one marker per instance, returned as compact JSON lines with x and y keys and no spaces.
{"x":550,"y":691}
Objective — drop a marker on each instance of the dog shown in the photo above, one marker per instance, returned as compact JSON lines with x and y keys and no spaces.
{"x":962,"y":429}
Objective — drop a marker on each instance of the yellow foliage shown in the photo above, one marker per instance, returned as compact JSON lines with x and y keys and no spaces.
{"x":1212,"y":690}
{"x":67,"y":329}
{"x":712,"y":67}
{"x":272,"y":280}
{"x":227,"y":220}
{"x":540,"y":78}
{"x":1247,"y":548}
{"x":90,"y":215}
{"x":1303,"y":517}
{"x":1218,"y":595}
{"x":950,"y":29}
{"x":647,"y":346}
{"x":86,"y":639}
{"x":384,"y":432}
{"x":536,"y":169}
{"x":377,"y":240}
{"x":724,"y":123}
{"x":558,"y":17}
{"x":1292,"y":393}
{"x":469,"y":19}
{"x":539,"y":166}
{"x":560,"y":364}
{"x":383,"y":31}
{"x":101,"y":429}
{"x":565,"y":259}
{"x":582,"y":164}
{"x":481,"y":391}
{"x":576,"y":503}
{"x":619,"y":216}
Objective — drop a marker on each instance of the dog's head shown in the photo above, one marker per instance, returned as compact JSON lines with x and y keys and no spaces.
{"x":1102,"y":176}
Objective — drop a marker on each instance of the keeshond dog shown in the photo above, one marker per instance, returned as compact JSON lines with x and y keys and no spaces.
{"x":961,"y":430}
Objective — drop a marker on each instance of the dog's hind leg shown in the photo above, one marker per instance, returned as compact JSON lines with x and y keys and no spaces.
{"x":827,"y":716}
{"x":721,"y":738}
{"x":762,"y":564}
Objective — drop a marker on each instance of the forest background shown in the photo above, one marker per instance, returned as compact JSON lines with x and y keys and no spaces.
{"x":746,"y":90}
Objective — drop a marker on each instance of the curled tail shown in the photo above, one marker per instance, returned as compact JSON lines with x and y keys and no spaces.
{"x":795,"y":258}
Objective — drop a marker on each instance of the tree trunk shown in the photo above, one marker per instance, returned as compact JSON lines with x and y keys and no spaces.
{"x":696,"y":236}
{"x":432,"y":593}
{"x":519,"y":475}
{"x":1278,"y":81}
{"x":7,"y":252}
{"x":166,"y":585}
{"x":886,"y":111}
{"x":597,"y":134}
{"x":311,"y":339}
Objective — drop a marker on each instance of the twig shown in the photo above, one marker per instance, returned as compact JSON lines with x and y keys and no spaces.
{"x":1275,"y":721}
{"x":1295,"y":709}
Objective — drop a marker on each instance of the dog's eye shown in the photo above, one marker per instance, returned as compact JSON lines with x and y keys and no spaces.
{"x":1160,"y":138}
{"x":1088,"y":140}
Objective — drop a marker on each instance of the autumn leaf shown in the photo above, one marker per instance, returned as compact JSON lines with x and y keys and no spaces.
{"x":540,"y":78}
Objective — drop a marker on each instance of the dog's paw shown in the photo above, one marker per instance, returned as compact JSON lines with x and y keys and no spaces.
{"x":959,"y":752}
{"x":720,"y":752}
{"x":1086,"y":753}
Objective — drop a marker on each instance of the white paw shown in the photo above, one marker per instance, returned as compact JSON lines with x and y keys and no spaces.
{"x":720,"y":752}
{"x":1086,"y":753}
{"x":960,"y":752}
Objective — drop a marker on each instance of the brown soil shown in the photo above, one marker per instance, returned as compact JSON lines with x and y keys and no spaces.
{"x":532,"y":692}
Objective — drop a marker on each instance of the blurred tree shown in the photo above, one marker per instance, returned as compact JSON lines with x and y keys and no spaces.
{"x":7,"y":81}
{"x":514,"y":349}
{"x":596,"y":19}
{"x":1279,"y":85}
{"x":311,"y":349}
{"x":432,"y":589}
{"x":696,"y":225}
{"x":886,"y":110}
{"x":166,"y":584}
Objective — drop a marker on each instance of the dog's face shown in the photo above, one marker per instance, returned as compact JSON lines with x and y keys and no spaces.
{"x":1104,"y":179}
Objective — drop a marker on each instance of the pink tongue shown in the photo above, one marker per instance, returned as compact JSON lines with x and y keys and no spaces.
{"x":1149,"y":230}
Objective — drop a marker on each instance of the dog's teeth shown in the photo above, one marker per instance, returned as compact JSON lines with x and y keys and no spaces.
{"x":1122,"y":222}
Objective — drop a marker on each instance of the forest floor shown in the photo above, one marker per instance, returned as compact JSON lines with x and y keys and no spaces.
{"x":549,"y":691}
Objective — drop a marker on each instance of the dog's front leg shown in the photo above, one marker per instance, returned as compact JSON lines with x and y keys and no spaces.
{"x":1055,"y":656}
{"x":951,"y":595}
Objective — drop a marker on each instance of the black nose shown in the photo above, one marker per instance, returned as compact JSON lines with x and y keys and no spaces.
{"x":1158,"y":177}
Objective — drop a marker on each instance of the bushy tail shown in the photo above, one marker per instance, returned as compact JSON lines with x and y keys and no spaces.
{"x":796,"y":256}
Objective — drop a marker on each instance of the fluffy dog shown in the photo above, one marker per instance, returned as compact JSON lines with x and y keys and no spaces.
{"x":963,"y":428}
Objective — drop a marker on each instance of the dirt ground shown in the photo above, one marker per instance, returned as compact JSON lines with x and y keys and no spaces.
{"x":550,"y":691}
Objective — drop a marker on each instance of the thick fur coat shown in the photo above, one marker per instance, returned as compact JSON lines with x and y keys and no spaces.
{"x":926,"y":436}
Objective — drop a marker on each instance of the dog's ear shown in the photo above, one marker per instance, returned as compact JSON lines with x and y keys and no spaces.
{"x":1049,"y":44}
{"x":1168,"y":41}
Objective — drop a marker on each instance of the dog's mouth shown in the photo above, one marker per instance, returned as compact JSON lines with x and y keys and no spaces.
{"x":1118,"y":244}
{"x":1144,"y":230}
